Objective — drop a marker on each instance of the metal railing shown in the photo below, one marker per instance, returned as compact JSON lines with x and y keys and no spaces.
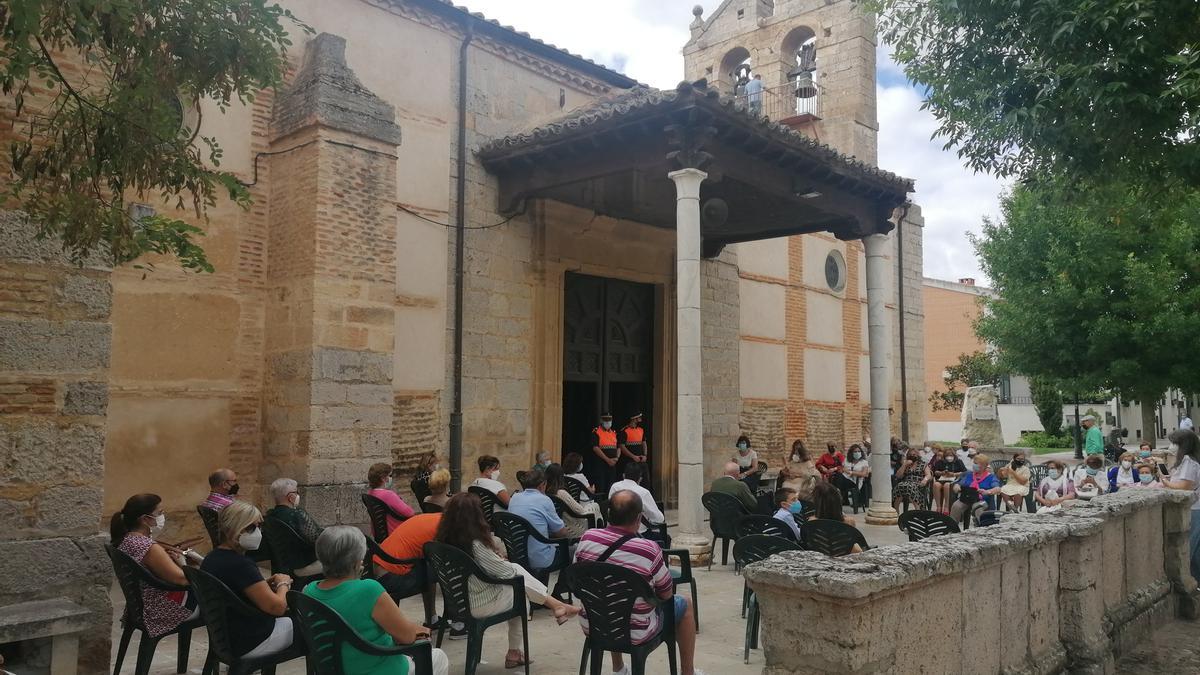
{"x":781,"y":103}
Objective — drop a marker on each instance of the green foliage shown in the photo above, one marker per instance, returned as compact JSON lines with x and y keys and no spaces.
{"x":1090,"y":88}
{"x":1048,"y":402}
{"x":1042,"y":439}
{"x":972,"y":370}
{"x":100,"y":87}
{"x":1097,"y":286}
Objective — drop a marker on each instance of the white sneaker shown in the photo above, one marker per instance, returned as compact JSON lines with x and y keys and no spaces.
{"x":624,"y":671}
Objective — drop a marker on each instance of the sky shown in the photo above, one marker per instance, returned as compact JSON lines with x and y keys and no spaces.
{"x":643,"y":39}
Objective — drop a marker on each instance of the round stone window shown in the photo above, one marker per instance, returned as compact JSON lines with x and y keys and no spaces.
{"x":835,"y":271}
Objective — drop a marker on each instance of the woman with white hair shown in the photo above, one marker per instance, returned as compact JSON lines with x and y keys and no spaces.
{"x":287,"y":510}
{"x":365,"y":606}
{"x":252,"y":636}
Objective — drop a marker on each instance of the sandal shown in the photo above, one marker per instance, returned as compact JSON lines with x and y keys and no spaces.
{"x":509,"y":664}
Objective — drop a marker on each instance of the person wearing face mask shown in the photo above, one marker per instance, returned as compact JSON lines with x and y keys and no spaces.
{"x":747,"y":462}
{"x":606,"y":453}
{"x":964,"y":447}
{"x":1016,"y":483}
{"x":800,"y":472}
{"x":831,"y":461}
{"x":854,"y":474}
{"x":634,"y":445}
{"x":1090,"y":480}
{"x":974,"y":490}
{"x":911,"y":478}
{"x":287,"y":510}
{"x":1147,"y":477}
{"x":439,"y":492}
{"x":1123,"y":474}
{"x":946,"y":472}
{"x":1145,"y":452}
{"x":1056,"y":488}
{"x":222,"y":489}
{"x":1185,"y":475}
{"x":788,"y":507}
{"x":489,"y":479}
{"x":379,"y":479}
{"x":133,"y":529}
{"x":252,"y":636}
{"x":928,"y":454}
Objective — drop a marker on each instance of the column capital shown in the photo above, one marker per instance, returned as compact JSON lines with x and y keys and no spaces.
{"x":687,"y":182}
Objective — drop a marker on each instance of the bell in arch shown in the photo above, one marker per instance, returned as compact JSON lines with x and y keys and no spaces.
{"x":804,"y":85}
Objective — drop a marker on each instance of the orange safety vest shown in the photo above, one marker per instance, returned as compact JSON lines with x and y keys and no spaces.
{"x":634,"y":435}
{"x":608,"y":438}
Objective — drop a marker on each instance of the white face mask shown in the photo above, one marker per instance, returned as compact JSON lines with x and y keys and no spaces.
{"x":160,"y":522}
{"x":495,"y":474}
{"x":251,"y":540}
{"x":606,"y":425}
{"x":1173,"y":447}
{"x":296,"y":501}
{"x":1126,"y":464}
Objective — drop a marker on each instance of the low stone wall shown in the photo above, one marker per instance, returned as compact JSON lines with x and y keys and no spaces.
{"x":1035,"y":594}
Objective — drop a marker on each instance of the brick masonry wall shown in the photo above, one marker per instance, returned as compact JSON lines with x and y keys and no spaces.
{"x":55,"y":339}
{"x":763,"y":421}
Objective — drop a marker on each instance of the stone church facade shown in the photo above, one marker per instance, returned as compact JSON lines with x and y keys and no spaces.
{"x":325,"y":339}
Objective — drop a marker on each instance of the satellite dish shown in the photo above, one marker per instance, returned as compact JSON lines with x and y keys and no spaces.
{"x":714,"y":213}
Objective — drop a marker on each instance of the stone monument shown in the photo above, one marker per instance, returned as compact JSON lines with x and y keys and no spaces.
{"x":981,"y":417}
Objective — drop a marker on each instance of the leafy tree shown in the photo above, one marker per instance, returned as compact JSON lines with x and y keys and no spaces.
{"x":1098,"y":288}
{"x":1092,"y":88}
{"x":98,"y":89}
{"x":972,"y":370}
{"x":1048,"y":401}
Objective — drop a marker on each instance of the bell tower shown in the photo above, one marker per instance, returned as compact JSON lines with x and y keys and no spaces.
{"x":816,"y":59}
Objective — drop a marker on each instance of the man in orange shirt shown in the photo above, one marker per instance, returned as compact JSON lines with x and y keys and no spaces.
{"x":408,"y":541}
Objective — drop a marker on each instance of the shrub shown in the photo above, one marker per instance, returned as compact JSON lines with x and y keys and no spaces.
{"x":1041,"y":439}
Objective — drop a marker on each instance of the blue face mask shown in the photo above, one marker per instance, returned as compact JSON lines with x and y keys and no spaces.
{"x":1092,"y":472}
{"x":795,"y":507}
{"x":1144,"y":454}
{"x":1054,"y":474}
{"x":1145,"y":477}
{"x":742,"y":446}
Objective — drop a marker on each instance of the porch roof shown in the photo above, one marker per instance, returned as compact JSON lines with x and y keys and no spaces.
{"x":613,"y":156}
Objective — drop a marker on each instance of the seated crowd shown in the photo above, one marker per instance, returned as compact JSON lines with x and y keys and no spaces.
{"x":558,"y":501}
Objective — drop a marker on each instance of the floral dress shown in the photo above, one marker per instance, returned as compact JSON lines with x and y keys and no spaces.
{"x":909,"y":486}
{"x":162,"y":611}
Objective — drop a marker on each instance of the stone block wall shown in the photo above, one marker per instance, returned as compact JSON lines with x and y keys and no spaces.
{"x":912,"y":285}
{"x":1044,"y":593}
{"x":721,"y":395}
{"x":55,"y":338}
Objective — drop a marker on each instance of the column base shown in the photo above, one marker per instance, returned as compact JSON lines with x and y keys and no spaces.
{"x":881,"y":513}
{"x":697,"y":546}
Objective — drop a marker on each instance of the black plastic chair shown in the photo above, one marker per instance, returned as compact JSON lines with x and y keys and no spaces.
{"x":684,"y":576}
{"x":487,"y":499}
{"x":924,"y":524}
{"x":131,"y":577}
{"x":425,"y":590}
{"x":749,"y":549}
{"x":516,"y":532}
{"x":760,"y":524}
{"x":289,"y":551}
{"x":563,"y":509}
{"x":577,"y":489}
{"x":420,"y":489}
{"x":453,"y":568}
{"x":209,"y":518}
{"x":831,"y":537}
{"x":378,"y":511}
{"x":217,"y":605}
{"x":427,"y":507}
{"x":998,"y":464}
{"x":724,"y":512}
{"x":1037,"y":472}
{"x":327,"y":634}
{"x":608,"y":593}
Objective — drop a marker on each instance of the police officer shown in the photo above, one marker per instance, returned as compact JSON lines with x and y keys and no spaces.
{"x":633,"y":442}
{"x":605,"y":454}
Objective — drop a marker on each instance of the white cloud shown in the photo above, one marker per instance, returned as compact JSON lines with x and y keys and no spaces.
{"x":643,"y":39}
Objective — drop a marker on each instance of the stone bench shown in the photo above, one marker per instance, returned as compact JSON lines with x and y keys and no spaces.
{"x":59,"y":621}
{"x":1033,"y":594}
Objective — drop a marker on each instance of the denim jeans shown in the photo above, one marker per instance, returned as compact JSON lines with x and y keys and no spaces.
{"x":1194,"y":544}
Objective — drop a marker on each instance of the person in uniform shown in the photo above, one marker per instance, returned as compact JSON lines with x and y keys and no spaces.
{"x":605,"y":454}
{"x":633,"y":443}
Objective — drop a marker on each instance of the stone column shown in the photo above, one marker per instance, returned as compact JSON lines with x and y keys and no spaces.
{"x":689,"y":437}
{"x":55,"y":341}
{"x":331,"y":285}
{"x":880,"y":511}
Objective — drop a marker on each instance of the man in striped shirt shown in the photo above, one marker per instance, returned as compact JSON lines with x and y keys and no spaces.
{"x":644,"y":557}
{"x":222,"y":489}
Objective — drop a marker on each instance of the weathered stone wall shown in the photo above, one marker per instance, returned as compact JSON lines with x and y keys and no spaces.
{"x":912,"y":285}
{"x":719,"y":354}
{"x":1035,"y":594}
{"x":55,"y":339}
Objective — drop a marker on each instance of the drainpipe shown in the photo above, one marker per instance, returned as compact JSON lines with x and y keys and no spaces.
{"x":460,"y":231}
{"x":900,"y":311}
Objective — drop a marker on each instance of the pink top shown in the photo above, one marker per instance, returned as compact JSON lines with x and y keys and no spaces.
{"x":394,"y":501}
{"x":162,"y":611}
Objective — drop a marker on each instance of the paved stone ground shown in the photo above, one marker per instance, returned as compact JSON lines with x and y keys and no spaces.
{"x":1175,"y":648}
{"x":556,"y":649}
